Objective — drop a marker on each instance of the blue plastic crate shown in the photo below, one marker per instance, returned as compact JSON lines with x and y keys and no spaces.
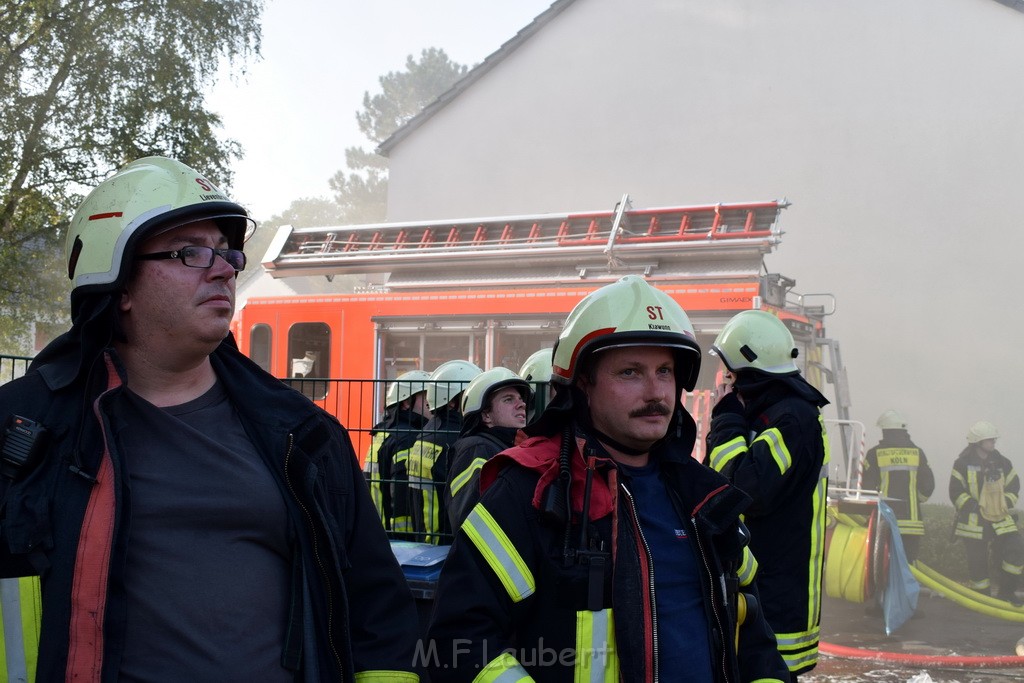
{"x":421,"y":563}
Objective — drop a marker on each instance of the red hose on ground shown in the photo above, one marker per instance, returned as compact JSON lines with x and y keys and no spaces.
{"x":939,"y":661}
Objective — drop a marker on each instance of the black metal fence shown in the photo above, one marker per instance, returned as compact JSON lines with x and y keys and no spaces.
{"x":359,"y":405}
{"x":12,"y":367}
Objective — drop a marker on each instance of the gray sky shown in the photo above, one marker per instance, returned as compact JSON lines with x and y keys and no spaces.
{"x":294,"y":113}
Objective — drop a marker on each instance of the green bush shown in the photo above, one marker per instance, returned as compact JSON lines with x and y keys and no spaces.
{"x":940,"y":550}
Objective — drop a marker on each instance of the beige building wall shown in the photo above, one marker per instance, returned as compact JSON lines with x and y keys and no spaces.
{"x":896,"y":129}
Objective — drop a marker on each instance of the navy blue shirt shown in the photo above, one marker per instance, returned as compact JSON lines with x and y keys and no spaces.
{"x":684,"y":653}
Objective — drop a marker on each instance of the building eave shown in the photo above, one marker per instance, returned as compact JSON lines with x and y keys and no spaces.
{"x":474,"y":74}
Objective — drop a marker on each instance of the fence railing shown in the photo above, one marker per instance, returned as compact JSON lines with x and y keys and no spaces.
{"x":13,"y":367}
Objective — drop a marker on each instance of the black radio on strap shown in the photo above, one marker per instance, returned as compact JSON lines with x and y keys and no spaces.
{"x":23,"y":443}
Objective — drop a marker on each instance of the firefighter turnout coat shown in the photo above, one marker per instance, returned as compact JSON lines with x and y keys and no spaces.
{"x":967,"y":485}
{"x":899,"y":471}
{"x":69,"y":517}
{"x":513,"y":602}
{"x":776,"y":450}
{"x":389,"y":484}
{"x":426,"y":465}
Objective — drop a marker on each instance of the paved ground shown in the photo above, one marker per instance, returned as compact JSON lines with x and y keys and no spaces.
{"x":940,"y":627}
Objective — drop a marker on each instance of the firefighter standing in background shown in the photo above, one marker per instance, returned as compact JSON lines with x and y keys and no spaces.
{"x":768,"y":437}
{"x":405,"y":413}
{"x":426,"y":461}
{"x":600,"y":549}
{"x":984,"y":488}
{"x":899,"y":471}
{"x":493,"y":412}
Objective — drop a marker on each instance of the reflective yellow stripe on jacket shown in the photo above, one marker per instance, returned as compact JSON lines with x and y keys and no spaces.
{"x":818,"y":525}
{"x":499,"y":553}
{"x":503,"y":669}
{"x":372,"y":470}
{"x":596,"y":658}
{"x":21,"y":610}
{"x":463,"y":477}
{"x":386,"y":677}
{"x":777,"y":447}
{"x":724,"y":454}
{"x":748,"y":568}
{"x":798,"y":650}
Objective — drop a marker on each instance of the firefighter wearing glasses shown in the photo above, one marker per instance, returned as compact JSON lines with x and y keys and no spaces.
{"x":768,"y":437}
{"x":600,"y":549}
{"x":193,"y":517}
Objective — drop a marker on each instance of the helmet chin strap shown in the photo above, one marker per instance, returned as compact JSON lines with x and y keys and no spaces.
{"x":621,"y":448}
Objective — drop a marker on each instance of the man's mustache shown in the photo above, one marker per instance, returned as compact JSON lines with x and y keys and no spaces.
{"x":650,"y":410}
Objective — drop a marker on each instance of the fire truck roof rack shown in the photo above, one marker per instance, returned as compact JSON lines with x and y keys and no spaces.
{"x":711,"y":240}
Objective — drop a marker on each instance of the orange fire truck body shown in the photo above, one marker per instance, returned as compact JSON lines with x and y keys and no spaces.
{"x":494,"y":290}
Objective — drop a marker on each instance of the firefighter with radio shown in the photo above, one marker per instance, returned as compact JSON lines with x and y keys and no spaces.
{"x":600,"y":549}
{"x":426,"y":461}
{"x":984,"y":488}
{"x":405,"y":413}
{"x":767,"y":436}
{"x":176,"y":498}
{"x":493,"y":412}
{"x":899,"y":471}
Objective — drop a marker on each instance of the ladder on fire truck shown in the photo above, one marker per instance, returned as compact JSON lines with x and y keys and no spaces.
{"x":688,"y":242}
{"x":711,"y":243}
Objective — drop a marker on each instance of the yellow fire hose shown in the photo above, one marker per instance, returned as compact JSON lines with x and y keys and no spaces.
{"x":854,"y":562}
{"x":964,"y":596}
{"x":846,"y":565}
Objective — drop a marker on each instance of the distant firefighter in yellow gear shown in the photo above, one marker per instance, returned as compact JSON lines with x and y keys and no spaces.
{"x":899,"y":471}
{"x":984,"y":488}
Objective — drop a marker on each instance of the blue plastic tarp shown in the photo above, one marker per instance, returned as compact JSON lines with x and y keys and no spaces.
{"x":899,"y":600}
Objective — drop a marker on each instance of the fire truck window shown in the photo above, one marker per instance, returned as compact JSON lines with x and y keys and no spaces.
{"x":441,"y":348}
{"x":259,"y":345}
{"x":401,"y":354}
{"x":309,"y":346}
{"x":512,"y":349}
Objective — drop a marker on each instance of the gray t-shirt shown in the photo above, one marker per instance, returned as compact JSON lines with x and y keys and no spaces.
{"x":207,"y":569}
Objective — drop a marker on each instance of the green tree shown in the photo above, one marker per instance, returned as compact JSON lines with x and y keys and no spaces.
{"x":301,"y":213}
{"x":362,"y":193}
{"x":85,"y":86}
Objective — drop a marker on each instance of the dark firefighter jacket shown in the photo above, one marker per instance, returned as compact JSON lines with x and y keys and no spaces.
{"x":389,"y":485}
{"x":67,"y":518}
{"x":776,"y":450}
{"x":510,"y":605}
{"x":469,"y":453}
{"x":899,"y":471}
{"x":966,"y":484}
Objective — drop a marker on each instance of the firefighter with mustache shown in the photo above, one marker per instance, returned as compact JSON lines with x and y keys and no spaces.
{"x":600,"y":549}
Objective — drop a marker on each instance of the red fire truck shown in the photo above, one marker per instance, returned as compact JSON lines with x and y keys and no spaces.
{"x":494,"y":290}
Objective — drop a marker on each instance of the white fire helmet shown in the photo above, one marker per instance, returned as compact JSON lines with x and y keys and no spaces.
{"x":405,"y":385}
{"x":629,"y":312}
{"x":982,"y":430}
{"x":756,"y":340}
{"x":147,"y":194}
{"x":890,"y":419}
{"x":448,"y":380}
{"x":483,"y":386}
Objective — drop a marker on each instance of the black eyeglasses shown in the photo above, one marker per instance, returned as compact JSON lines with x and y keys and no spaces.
{"x":199,"y":257}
